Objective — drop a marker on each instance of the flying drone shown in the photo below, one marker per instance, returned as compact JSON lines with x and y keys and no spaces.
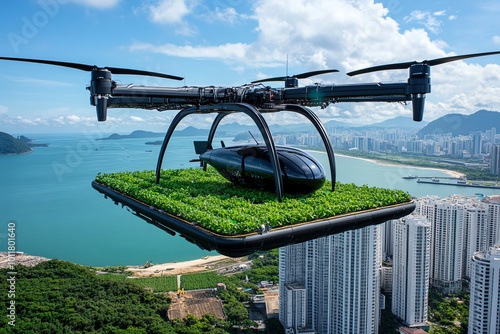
{"x":264,"y":166}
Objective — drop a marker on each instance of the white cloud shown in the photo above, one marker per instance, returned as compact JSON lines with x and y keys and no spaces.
{"x":173,"y":12}
{"x":427,"y":19}
{"x":347,"y":35}
{"x":137,"y":119}
{"x":229,"y":15}
{"x":73,"y":119}
{"x":170,"y":11}
{"x":224,"y":51}
{"x":496,"y":39}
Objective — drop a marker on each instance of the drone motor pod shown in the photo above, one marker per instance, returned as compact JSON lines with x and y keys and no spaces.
{"x":420,"y":84}
{"x":101,"y":87}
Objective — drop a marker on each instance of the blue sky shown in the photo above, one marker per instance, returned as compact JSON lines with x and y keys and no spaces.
{"x":233,"y":42}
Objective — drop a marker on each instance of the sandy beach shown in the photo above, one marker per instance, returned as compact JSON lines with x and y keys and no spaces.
{"x":386,"y":163}
{"x":19,"y":258}
{"x":176,"y":268}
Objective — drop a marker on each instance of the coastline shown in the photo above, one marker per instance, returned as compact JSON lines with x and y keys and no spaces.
{"x":205,"y":263}
{"x":386,"y":163}
{"x":14,"y":258}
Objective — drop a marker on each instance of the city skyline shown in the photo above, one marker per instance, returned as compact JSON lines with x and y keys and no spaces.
{"x":331,"y":285}
{"x":437,"y":246}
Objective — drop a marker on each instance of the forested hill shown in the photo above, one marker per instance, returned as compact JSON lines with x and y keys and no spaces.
{"x":11,"y":145}
{"x":458,"y":124}
{"x":61,"y":297}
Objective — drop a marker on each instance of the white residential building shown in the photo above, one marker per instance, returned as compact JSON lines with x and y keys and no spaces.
{"x":484,"y":307}
{"x":387,"y":240}
{"x":493,"y":207}
{"x":475,"y":233}
{"x":447,"y":241}
{"x":386,"y":279}
{"x":341,"y":277}
{"x":411,"y":264}
{"x":495,"y":160}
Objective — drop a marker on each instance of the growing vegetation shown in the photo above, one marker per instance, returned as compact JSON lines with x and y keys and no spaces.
{"x":217,"y":205}
{"x":155,"y":284}
{"x":448,"y":314}
{"x":60,"y":297}
{"x":265,"y":267}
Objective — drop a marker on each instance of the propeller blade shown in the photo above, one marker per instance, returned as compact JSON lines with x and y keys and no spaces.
{"x":313,"y":73}
{"x":432,"y":62}
{"x":270,"y":79}
{"x":395,"y":66}
{"x":117,"y":70}
{"x":298,"y":76}
{"x":82,"y":67}
{"x":89,"y":68}
{"x":439,"y":61}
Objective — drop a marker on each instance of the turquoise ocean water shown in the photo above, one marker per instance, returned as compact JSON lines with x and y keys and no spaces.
{"x":47,"y":193}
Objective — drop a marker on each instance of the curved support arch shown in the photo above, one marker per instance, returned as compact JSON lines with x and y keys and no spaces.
{"x":213,"y":128}
{"x":180,"y":115}
{"x":224,"y":109}
{"x":314,"y":119}
{"x":215,"y":124}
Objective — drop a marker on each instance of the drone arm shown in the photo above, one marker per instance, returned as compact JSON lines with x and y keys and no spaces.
{"x":414,"y":90}
{"x":160,"y":98}
{"x":105,"y":93}
{"x":346,"y":92}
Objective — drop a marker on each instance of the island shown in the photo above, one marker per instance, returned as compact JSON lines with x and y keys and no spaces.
{"x":134,"y":134}
{"x":20,"y":145}
{"x":189,"y":131}
{"x":11,"y":145}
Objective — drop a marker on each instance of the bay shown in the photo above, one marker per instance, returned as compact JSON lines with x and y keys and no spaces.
{"x":57,"y":214}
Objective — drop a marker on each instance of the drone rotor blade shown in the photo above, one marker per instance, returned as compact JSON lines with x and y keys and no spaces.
{"x":117,"y":70}
{"x":77,"y":66}
{"x":270,"y":79}
{"x":313,"y":73}
{"x":89,"y":68}
{"x":298,"y":76}
{"x":432,"y":62}
{"x":395,"y":66}
{"x":439,"y":61}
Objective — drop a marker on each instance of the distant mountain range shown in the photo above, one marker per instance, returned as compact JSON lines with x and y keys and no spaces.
{"x":453,"y":123}
{"x":459,"y":124}
{"x":401,"y":122}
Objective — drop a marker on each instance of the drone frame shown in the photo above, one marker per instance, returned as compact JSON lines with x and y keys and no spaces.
{"x":224,"y":109}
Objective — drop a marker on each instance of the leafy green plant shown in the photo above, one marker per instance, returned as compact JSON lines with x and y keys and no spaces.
{"x":214,"y":203}
{"x":200,"y":281}
{"x":157,"y":284}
